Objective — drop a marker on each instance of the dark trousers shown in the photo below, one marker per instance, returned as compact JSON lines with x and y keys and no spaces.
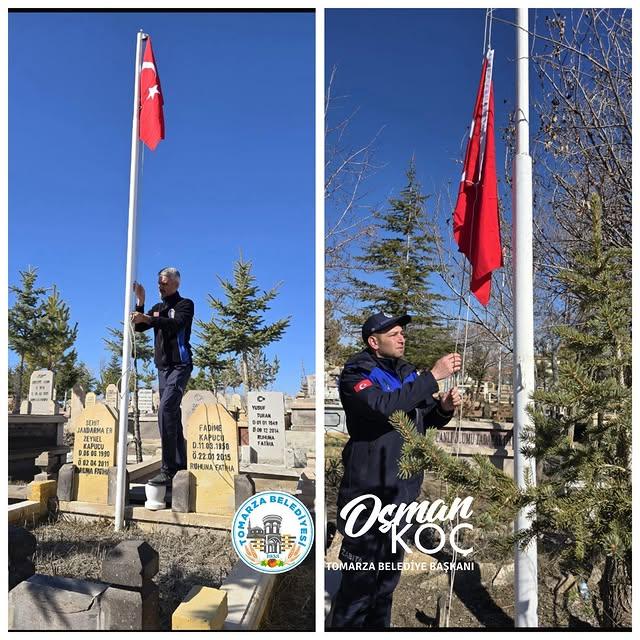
{"x":172,"y":383}
{"x":365,"y":596}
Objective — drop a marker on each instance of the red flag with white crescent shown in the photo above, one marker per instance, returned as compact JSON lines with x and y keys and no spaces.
{"x":476,"y":226}
{"x":151,"y":116}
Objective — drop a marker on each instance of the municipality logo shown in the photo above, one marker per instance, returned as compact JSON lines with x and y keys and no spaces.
{"x":272,"y":532}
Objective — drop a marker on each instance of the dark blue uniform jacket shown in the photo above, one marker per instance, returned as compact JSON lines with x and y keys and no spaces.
{"x":171,"y":322}
{"x":371,"y":389}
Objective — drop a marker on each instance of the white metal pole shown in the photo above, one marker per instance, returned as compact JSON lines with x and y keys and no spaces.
{"x":131,"y":261}
{"x":526,"y":561}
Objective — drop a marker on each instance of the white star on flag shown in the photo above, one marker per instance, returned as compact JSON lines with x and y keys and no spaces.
{"x":153,"y":91}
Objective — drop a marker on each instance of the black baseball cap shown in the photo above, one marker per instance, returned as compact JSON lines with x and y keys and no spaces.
{"x":380,"y":321}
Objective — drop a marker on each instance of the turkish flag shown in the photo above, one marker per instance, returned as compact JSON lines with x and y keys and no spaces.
{"x":151,"y":116}
{"x":476,"y":226}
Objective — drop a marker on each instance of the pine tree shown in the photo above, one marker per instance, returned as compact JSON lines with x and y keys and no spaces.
{"x":200,"y":381}
{"x":111,"y":372}
{"x":583,"y":497}
{"x":25,"y":325}
{"x":142,"y":352}
{"x":336,"y":351}
{"x":217,"y":372}
{"x":70,"y":372}
{"x":262,"y":371}
{"x":240,"y":318}
{"x":59,"y":335}
{"x":85,"y":378}
{"x":403,"y":256}
{"x":592,"y":400}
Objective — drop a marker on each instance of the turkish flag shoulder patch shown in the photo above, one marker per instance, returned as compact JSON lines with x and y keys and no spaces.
{"x":362,"y":385}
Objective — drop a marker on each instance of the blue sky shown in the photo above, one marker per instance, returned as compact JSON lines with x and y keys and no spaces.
{"x":235,"y":173}
{"x":415,"y":72}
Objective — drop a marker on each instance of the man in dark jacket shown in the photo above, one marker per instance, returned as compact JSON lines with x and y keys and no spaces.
{"x":171,"y":322}
{"x":373,"y":384}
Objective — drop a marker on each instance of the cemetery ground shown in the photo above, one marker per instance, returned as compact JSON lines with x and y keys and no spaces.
{"x":292,"y":605}
{"x":483,"y":596}
{"x":76,"y":549}
{"x":190,"y":542}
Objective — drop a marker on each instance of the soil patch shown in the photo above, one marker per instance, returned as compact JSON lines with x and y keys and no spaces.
{"x":76,"y":549}
{"x":292,"y":606}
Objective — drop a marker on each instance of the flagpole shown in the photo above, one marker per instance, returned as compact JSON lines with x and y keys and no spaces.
{"x":123,"y":424}
{"x":526,"y":560}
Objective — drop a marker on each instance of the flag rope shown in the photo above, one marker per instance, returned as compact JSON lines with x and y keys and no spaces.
{"x":460,"y":376}
{"x":459,"y":379}
{"x":130,"y":370}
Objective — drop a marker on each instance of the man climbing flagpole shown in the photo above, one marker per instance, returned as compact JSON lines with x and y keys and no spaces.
{"x":147,"y":126}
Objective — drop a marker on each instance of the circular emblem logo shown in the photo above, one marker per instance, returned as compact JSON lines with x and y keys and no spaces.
{"x":272,"y":532}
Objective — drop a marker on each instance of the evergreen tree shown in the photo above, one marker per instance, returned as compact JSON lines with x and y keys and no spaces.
{"x":403,"y":256}
{"x":218,"y":372}
{"x":262,"y":372}
{"x":240,"y":322}
{"x":59,"y":336}
{"x":200,"y":381}
{"x":583,"y":498}
{"x":25,"y":325}
{"x":85,"y":378}
{"x":111,"y":372}
{"x":592,"y":400}
{"x":70,"y":372}
{"x":142,"y":352}
{"x":336,"y":352}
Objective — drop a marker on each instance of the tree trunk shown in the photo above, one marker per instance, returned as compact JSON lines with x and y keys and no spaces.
{"x":499,"y":373}
{"x":245,"y":372}
{"x":615,"y":592}
{"x":18,"y":400}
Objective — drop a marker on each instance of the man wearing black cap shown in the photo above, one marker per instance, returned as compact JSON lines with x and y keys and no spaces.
{"x":373,"y":384}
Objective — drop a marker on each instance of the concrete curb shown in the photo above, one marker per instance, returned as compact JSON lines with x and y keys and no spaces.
{"x":248,"y":593}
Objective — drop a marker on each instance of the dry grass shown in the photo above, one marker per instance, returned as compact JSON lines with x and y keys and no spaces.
{"x":76,"y":549}
{"x":292,"y":606}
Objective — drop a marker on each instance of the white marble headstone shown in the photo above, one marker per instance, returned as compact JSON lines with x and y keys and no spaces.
{"x":266,"y":426}
{"x":145,"y":400}
{"x":41,"y":393}
{"x":111,"y":396}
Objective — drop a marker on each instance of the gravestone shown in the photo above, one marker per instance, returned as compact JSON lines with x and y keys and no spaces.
{"x":156,"y":401}
{"x":111,"y":397}
{"x":266,"y":426}
{"x":311,"y":386}
{"x":193,"y":399}
{"x":212,"y":454}
{"x":490,"y":439}
{"x":235,"y":402}
{"x":94,"y":451}
{"x":76,"y":405}
{"x":221,"y":399}
{"x":145,"y":400}
{"x":90,"y":400}
{"x":41,"y":395}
